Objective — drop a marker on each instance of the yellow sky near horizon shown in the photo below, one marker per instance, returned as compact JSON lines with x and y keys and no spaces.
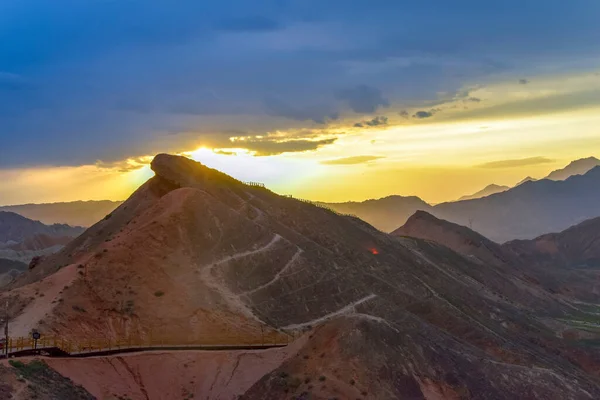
{"x":511,"y":132}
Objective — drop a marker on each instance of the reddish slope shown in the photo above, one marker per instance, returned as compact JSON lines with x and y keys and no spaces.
{"x":578,"y":246}
{"x":198,"y":256}
{"x":547,"y":262}
{"x":463,"y":240}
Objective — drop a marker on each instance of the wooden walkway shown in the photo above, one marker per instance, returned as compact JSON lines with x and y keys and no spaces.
{"x":57,"y":352}
{"x":60,"y":347}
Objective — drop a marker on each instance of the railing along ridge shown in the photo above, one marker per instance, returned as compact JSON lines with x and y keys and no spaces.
{"x":323,"y":206}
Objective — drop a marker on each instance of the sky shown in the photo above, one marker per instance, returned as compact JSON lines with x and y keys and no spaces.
{"x":326,"y":100}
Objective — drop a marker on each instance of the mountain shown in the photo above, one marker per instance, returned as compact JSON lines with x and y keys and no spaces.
{"x":528,"y":179}
{"x":379,"y":212}
{"x":461,"y":239}
{"x":577,"y":167}
{"x":578,"y":246}
{"x":530,"y":209}
{"x":488,"y":190}
{"x":16,"y":228}
{"x":40,"y":241}
{"x":74,"y":213}
{"x":22,"y":239}
{"x":9,"y":270}
{"x":559,"y":263}
{"x":195,"y":255}
{"x":523,"y":212}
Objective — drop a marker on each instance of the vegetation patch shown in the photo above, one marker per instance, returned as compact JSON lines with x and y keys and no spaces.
{"x":28,"y":370}
{"x":79,"y":309}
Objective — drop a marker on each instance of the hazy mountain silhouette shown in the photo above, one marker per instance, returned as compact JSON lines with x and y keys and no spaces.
{"x":16,"y":228}
{"x":527,"y":179}
{"x":530,"y":209}
{"x":488,"y":190}
{"x":9,"y":270}
{"x":74,"y":213}
{"x":523,"y":212}
{"x":577,"y":167}
{"x":389,"y":316}
{"x":382,"y":213}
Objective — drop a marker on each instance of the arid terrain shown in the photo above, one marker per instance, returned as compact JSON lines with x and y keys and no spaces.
{"x":23,"y":239}
{"x":433,"y":311}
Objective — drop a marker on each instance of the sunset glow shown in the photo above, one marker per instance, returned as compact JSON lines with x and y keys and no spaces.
{"x":341,"y":136}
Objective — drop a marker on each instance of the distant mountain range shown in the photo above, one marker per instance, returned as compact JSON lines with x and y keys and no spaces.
{"x":527,"y":179}
{"x":16,"y":228}
{"x":383,"y":213}
{"x":577,"y":167}
{"x":521,"y":212}
{"x":487,"y":191}
{"x":530,"y":209}
{"x":21,"y":239}
{"x":74,"y":213}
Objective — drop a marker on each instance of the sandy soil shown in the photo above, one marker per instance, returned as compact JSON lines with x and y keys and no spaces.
{"x":51,"y":288}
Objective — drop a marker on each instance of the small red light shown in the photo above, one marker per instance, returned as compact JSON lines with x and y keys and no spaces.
{"x":374,"y":251}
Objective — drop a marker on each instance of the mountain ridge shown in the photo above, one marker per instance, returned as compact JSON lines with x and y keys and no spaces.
{"x":486,"y":191}
{"x":75,"y":213}
{"x":523,"y":212}
{"x":196,"y":253}
{"x":576,"y":167}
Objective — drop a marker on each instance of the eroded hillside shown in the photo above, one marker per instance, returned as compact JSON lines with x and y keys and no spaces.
{"x":197,"y":255}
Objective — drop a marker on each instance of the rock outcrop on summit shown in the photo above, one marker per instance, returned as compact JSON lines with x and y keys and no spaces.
{"x":197,"y":255}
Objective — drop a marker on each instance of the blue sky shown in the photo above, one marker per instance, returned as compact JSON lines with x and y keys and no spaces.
{"x":100,"y":81}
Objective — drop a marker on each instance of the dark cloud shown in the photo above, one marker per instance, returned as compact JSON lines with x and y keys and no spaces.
{"x":531,"y":107}
{"x":404,"y":114}
{"x":522,"y":162}
{"x":523,"y":81}
{"x":250,"y":24}
{"x":377,"y":121}
{"x":111,"y":89}
{"x":381,"y":120}
{"x":363,"y":98}
{"x":132,"y":164}
{"x":225,"y":153}
{"x":351,"y":160}
{"x":474,"y":99}
{"x":423,"y":114}
{"x":267,"y":147}
{"x":319,"y":114}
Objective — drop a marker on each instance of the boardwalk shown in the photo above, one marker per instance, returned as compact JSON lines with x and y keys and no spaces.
{"x":56,"y":346}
